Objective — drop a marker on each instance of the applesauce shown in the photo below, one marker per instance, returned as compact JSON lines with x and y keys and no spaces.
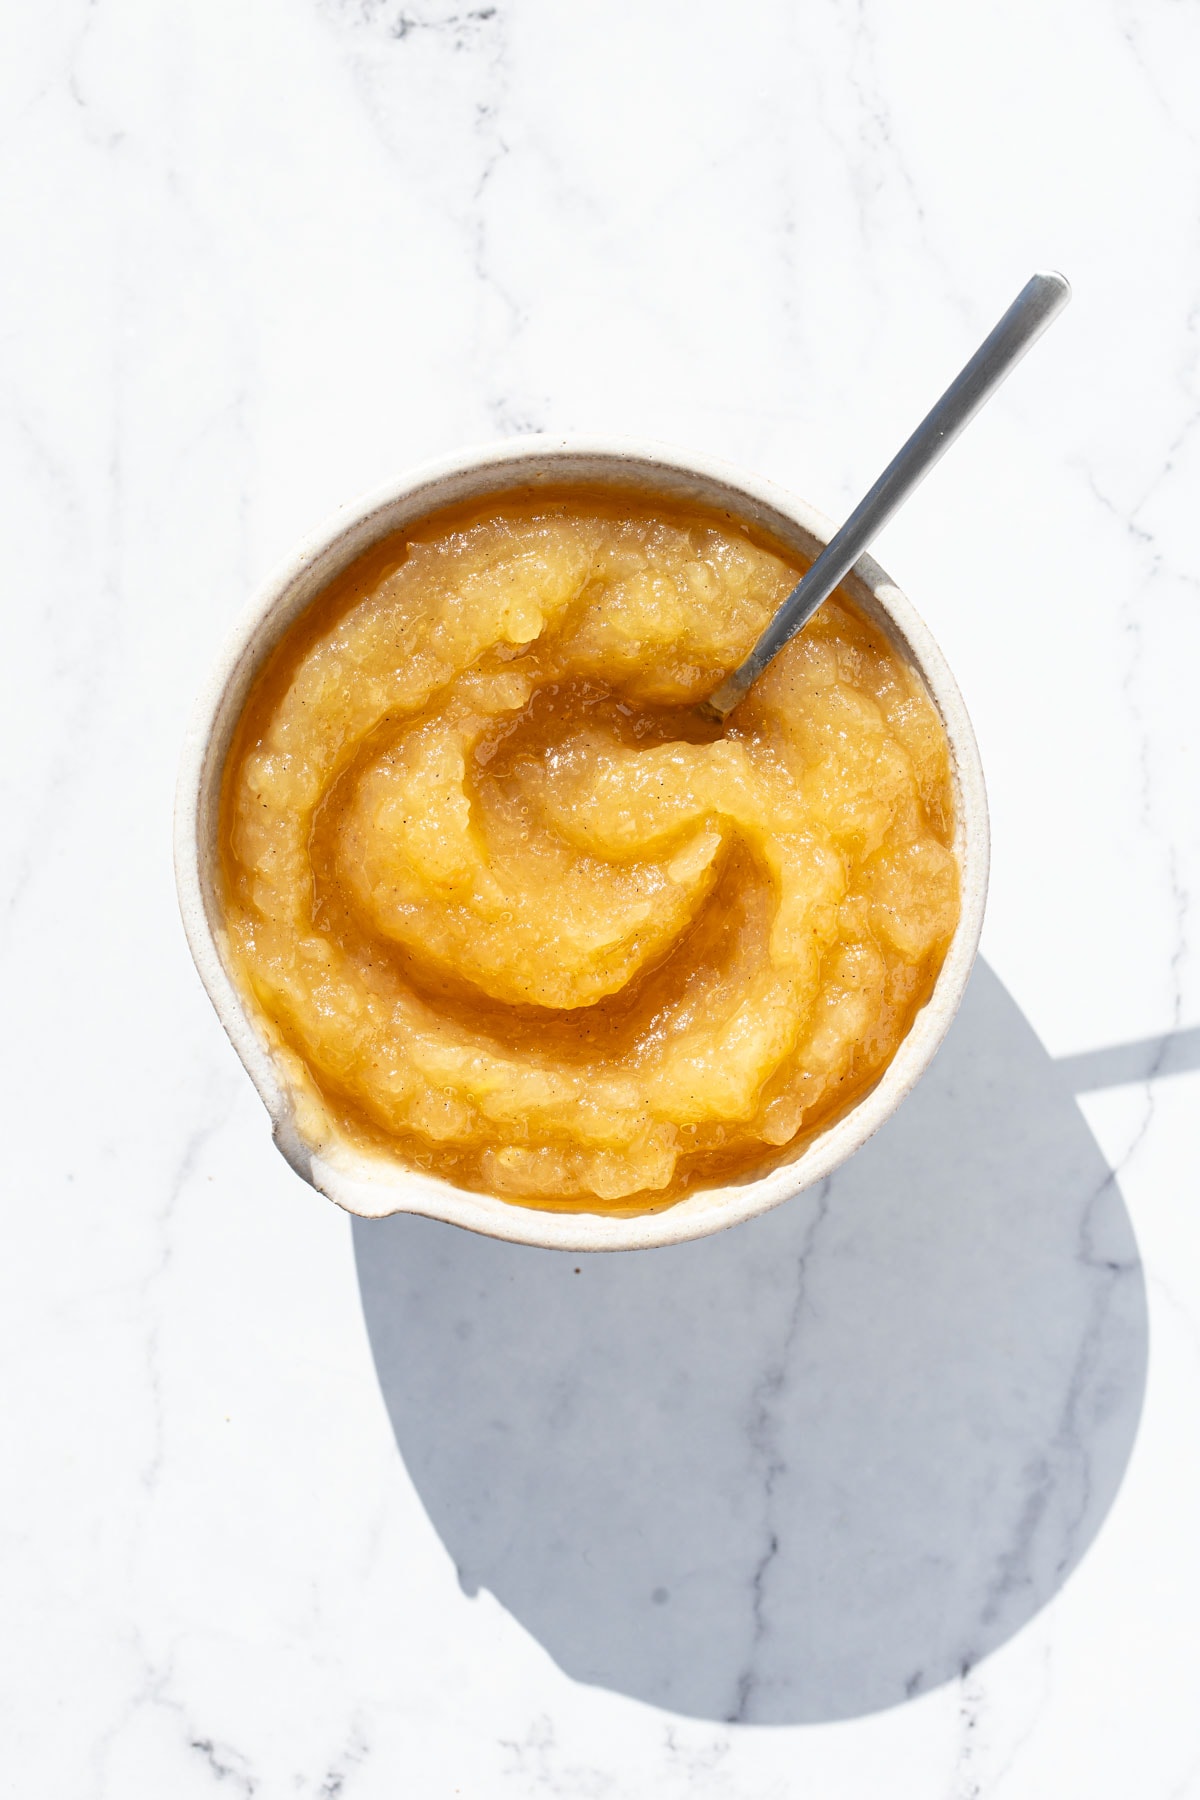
{"x":509,"y":911}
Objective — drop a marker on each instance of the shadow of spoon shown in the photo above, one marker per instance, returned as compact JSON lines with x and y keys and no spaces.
{"x":814,"y":1465}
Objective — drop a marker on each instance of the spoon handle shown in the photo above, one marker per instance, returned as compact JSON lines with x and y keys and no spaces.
{"x":1039,"y":300}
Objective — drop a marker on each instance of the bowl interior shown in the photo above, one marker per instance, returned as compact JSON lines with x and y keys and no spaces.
{"x":372,"y":1186}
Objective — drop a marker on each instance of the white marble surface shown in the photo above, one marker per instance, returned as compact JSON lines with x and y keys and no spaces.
{"x":895,"y":1492}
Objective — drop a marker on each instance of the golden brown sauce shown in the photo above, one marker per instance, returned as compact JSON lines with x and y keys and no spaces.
{"x":510,"y":912}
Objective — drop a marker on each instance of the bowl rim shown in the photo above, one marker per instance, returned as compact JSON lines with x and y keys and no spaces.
{"x":373,"y":1186}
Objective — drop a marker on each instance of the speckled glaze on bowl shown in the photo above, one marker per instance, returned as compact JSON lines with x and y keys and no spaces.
{"x":374,"y":1186}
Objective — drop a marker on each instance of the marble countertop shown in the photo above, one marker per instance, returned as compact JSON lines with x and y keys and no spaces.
{"x":893,"y":1492}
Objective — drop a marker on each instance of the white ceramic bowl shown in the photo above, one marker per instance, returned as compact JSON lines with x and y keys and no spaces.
{"x":372,"y":1186}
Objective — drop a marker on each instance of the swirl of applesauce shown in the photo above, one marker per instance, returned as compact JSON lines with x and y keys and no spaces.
{"x":509,"y":912}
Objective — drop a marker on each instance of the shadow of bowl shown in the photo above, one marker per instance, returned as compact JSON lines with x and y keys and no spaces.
{"x":815,"y":1465}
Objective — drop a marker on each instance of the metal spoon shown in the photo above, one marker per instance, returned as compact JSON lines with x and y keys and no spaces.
{"x":1044,"y":295}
